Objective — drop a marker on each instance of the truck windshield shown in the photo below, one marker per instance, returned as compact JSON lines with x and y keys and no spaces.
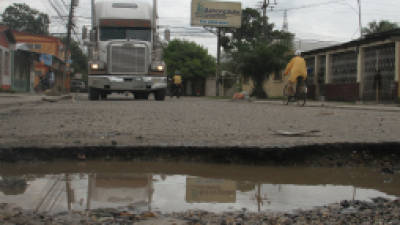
{"x":122,"y":33}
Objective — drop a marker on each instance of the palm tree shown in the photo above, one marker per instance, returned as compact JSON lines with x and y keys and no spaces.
{"x":377,"y":27}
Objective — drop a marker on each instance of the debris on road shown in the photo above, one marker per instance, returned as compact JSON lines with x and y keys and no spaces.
{"x":310,"y":133}
{"x":56,"y":98}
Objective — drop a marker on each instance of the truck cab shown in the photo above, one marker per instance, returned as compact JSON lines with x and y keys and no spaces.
{"x":125,"y":53}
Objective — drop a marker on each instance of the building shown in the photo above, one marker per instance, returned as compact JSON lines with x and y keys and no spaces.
{"x":35,"y":56}
{"x":365,"y":69}
{"x":6,"y":46}
{"x":349,"y":71}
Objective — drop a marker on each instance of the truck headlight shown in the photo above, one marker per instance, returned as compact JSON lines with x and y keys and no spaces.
{"x":160,"y":68}
{"x":157,"y":67}
{"x":94,"y":66}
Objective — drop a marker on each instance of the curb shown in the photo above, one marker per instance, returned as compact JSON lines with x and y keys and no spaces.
{"x":327,"y":105}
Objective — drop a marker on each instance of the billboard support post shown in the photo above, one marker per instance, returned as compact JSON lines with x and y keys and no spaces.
{"x":216,"y":14}
{"x":218,"y":60}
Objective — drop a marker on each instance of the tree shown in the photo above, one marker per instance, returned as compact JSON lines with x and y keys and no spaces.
{"x":257,"y":52}
{"x":258,"y":62}
{"x":377,"y":27}
{"x":79,"y":60}
{"x":21,"y":17}
{"x":190,"y":59}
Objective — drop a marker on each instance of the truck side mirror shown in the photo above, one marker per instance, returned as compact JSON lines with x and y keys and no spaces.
{"x":84,"y":33}
{"x":93,"y":35}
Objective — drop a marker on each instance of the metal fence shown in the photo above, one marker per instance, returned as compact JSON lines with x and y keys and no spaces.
{"x":344,"y":68}
{"x":379,"y":60}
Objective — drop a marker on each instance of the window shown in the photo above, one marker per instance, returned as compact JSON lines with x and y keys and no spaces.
{"x":123,"y":33}
{"x":34,"y":46}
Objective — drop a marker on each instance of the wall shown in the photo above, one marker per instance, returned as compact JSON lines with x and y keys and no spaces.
{"x":1,"y":66}
{"x":348,"y":74}
{"x":397,"y":78}
{"x":5,"y":68}
{"x":210,"y":87}
{"x":41,"y":44}
{"x":273,"y":87}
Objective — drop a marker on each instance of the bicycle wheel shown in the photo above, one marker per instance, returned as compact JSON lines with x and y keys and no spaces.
{"x":285,"y":98}
{"x":302,"y":97}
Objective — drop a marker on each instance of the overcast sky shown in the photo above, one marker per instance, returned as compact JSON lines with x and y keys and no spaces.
{"x":336,"y":20}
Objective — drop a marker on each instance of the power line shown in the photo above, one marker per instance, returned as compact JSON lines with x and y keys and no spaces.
{"x":309,"y":6}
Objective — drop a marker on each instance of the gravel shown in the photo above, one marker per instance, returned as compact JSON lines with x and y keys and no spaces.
{"x":378,"y":211}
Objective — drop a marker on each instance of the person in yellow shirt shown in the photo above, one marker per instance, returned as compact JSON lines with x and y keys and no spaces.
{"x":176,"y":85}
{"x":296,"y":68}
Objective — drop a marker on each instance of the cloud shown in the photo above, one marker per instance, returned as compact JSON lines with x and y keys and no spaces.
{"x":327,"y":22}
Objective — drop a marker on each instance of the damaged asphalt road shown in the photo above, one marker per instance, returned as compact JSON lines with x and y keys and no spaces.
{"x":189,"y":122}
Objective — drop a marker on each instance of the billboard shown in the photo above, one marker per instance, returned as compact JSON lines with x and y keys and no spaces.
{"x":216,"y":14}
{"x":202,"y":190}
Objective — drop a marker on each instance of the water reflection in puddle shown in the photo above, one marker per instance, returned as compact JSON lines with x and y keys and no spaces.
{"x":172,"y":187}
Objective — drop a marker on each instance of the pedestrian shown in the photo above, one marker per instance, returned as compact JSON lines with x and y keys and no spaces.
{"x":176,"y":84}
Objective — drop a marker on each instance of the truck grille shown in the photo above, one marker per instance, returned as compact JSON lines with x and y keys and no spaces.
{"x":128,"y":59}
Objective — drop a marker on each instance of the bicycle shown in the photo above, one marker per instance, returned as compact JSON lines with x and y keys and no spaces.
{"x":300,"y":96}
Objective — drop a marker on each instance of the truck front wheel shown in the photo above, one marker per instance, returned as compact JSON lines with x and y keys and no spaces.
{"x":160,"y":95}
{"x":93,"y":94}
{"x":103,"y":95}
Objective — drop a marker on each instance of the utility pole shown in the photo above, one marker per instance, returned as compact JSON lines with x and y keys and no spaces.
{"x":359,"y":18}
{"x":68,"y":41}
{"x":217,"y":74}
{"x":155,"y":17}
{"x":265,"y":6}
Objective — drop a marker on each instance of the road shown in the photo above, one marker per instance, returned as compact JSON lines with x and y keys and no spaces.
{"x":123,"y":121}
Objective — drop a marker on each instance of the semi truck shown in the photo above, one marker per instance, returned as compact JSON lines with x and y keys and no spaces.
{"x":125,"y":52}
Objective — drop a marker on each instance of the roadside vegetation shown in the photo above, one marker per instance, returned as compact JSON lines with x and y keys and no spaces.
{"x":21,"y":17}
{"x":189,"y":59}
{"x":257,"y":49}
{"x":377,"y":27}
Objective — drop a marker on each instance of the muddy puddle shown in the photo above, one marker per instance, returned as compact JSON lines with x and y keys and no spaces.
{"x":174,"y":186}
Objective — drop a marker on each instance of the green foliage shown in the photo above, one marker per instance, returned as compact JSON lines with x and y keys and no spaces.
{"x":252,"y":31}
{"x":21,"y":17}
{"x":260,"y":60}
{"x":190,"y":59}
{"x":381,"y":26}
{"x":257,"y":51}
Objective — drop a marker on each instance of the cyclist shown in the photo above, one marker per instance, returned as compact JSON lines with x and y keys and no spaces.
{"x":296,"y":68}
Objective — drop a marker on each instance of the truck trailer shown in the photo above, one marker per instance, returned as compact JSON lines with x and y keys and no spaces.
{"x":125,"y":53}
